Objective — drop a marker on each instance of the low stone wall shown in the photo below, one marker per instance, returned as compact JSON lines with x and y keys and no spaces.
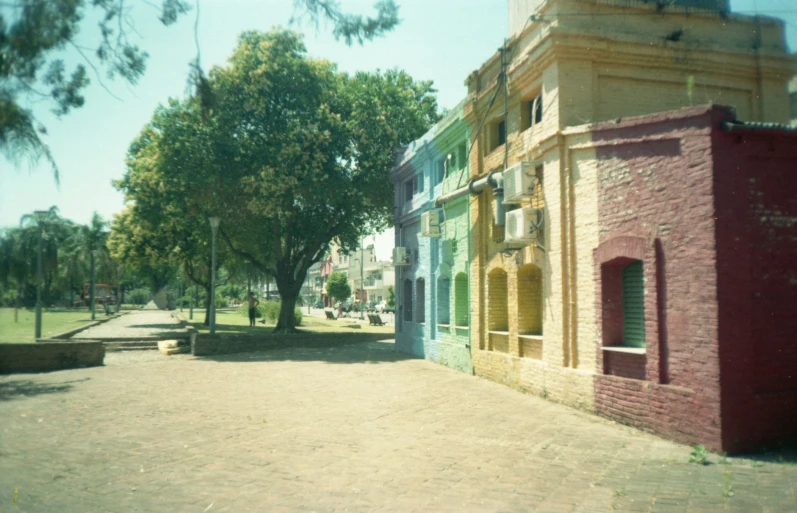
{"x":50,"y":355}
{"x":203,"y":344}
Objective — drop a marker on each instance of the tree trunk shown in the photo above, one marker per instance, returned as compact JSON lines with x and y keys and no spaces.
{"x":286,"y":322}
{"x":16,"y":307}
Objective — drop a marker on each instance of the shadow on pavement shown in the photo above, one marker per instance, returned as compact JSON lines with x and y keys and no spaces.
{"x":362,"y":352}
{"x":23,"y":388}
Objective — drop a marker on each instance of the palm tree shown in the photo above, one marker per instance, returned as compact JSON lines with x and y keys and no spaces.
{"x":90,"y":243}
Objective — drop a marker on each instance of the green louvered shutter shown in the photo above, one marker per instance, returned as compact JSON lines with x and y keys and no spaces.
{"x":633,"y":306}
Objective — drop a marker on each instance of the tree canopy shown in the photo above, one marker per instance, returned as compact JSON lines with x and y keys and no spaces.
{"x":293,"y":154}
{"x":34,"y":34}
{"x":338,"y":286}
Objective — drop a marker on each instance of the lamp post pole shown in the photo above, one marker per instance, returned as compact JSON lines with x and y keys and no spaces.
{"x":191,"y":304}
{"x":214,"y":226}
{"x":362,"y":280}
{"x":40,"y":216}
{"x":92,"y":292}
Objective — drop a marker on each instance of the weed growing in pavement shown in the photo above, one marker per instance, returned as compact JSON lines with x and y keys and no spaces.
{"x":699,"y":455}
{"x":724,"y":459}
{"x":727,"y":483}
{"x":619,"y":492}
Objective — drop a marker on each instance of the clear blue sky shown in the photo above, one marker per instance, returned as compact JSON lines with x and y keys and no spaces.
{"x":440,"y":40}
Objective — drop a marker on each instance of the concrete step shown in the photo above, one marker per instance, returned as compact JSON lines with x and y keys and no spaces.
{"x":131,"y":346}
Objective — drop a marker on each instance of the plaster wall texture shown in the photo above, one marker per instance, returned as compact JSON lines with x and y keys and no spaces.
{"x":436,"y":261}
{"x":588,"y":72}
{"x":520,"y":10}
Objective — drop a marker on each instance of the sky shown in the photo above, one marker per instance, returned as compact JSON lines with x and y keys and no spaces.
{"x":439,"y":40}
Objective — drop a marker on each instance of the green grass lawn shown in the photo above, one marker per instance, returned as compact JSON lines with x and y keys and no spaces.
{"x":234,"y":322}
{"x":53,"y":323}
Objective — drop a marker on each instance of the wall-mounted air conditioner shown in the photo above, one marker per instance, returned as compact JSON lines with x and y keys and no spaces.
{"x":519,"y":181}
{"x":430,"y":223}
{"x":523,"y":225}
{"x":401,"y":257}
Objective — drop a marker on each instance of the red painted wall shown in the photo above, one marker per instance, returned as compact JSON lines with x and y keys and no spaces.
{"x":655,"y":188}
{"x":713,"y":217}
{"x":756,"y":196}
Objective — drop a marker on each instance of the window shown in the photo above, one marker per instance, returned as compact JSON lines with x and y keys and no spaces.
{"x":443,"y":300}
{"x":420,"y":300}
{"x":529,"y":300}
{"x":633,"y":305}
{"x":531,"y":113}
{"x":407,"y":296}
{"x":461,"y":299}
{"x":409,"y":190}
{"x":497,"y":311}
{"x":439,"y":172}
{"x":419,"y":183}
{"x":497,"y":134}
{"x":462,"y":157}
{"x":623,"y":300}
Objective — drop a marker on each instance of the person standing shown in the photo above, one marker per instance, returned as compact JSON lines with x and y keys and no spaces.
{"x":253,"y":302}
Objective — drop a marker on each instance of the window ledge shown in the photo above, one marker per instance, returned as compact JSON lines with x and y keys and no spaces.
{"x":462,"y":327}
{"x":531,"y":337}
{"x":623,"y":349}
{"x":444,"y":325}
{"x":496,"y":332}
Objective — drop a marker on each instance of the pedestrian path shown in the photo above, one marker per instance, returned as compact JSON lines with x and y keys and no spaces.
{"x":136,"y":325}
{"x":353,"y":428}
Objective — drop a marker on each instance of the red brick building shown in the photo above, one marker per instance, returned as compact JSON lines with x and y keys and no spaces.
{"x":696,"y":277}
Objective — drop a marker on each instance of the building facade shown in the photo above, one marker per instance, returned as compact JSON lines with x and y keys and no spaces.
{"x":540,"y":320}
{"x":432,"y":319}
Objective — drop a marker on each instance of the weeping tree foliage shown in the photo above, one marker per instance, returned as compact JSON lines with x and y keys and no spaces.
{"x":35,"y":33}
{"x":294,"y":155}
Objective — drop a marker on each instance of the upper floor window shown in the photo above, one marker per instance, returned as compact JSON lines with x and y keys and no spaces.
{"x":531,"y":113}
{"x":412,"y":187}
{"x":439,"y":171}
{"x":497,"y":134}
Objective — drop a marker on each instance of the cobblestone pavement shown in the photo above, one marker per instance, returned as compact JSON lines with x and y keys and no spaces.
{"x":144,"y":323}
{"x":354,"y":428}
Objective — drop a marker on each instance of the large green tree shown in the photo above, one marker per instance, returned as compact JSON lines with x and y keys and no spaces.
{"x":293,"y":155}
{"x":35,"y":33}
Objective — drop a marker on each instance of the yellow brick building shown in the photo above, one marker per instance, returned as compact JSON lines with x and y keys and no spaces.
{"x":576,"y":62}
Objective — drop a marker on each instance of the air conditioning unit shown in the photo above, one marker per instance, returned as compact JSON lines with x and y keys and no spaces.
{"x":401,"y":257}
{"x":523,"y":225}
{"x":430,"y":223}
{"x":519,"y":181}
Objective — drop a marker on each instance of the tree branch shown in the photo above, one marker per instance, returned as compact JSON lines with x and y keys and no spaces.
{"x":248,"y":256}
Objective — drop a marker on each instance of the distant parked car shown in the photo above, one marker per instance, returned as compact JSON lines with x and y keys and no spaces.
{"x":389,"y":309}
{"x":318,"y":304}
{"x":380,"y":306}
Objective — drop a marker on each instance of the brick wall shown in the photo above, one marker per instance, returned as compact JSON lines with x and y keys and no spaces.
{"x":756,"y":209}
{"x":656,"y":205}
{"x":49,"y":356}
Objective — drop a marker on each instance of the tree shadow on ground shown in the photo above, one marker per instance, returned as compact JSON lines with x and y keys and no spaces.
{"x":25,"y":388}
{"x":356,"y":352}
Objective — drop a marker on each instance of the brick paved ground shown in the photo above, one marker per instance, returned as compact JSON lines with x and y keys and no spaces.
{"x":144,"y":323}
{"x":356,"y":428}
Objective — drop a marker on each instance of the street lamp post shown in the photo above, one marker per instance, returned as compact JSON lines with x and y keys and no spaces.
{"x":40,"y":217}
{"x":94,"y":254}
{"x":214,"y":226}
{"x":191,"y":304}
{"x":362,"y":282}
